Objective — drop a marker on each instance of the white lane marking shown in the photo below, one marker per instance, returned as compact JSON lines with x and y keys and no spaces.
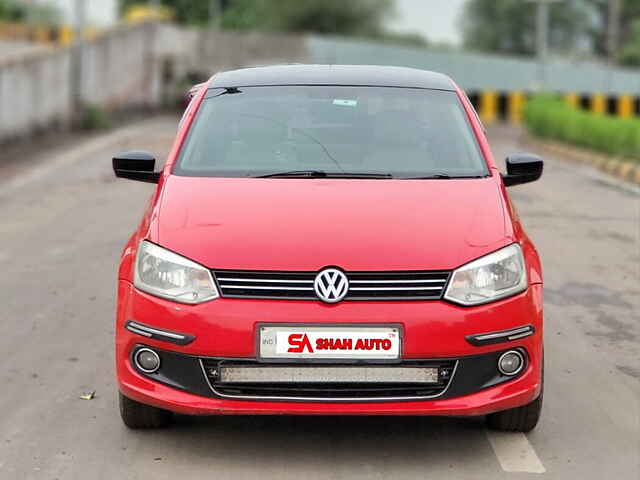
{"x":514,"y":452}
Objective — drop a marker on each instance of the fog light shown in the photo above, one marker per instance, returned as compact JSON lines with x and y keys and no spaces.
{"x":510,"y":362}
{"x":147,"y":360}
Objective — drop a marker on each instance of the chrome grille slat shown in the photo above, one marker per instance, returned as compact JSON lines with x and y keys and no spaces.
{"x":377,"y":289}
{"x":397,"y":281}
{"x":393,"y":285}
{"x":262,"y":280}
{"x":253,"y":287}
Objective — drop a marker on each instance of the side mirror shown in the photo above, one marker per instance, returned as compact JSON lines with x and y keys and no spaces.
{"x":522,"y":168}
{"x":136,"y":166}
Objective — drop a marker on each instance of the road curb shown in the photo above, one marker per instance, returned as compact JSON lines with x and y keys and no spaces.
{"x":619,"y":167}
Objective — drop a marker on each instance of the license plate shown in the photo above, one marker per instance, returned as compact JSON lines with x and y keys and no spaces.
{"x":329,"y":342}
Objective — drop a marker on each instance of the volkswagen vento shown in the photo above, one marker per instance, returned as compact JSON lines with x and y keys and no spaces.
{"x":330,"y":240}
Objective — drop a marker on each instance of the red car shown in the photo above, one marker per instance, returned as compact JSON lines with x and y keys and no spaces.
{"x":330,"y":240}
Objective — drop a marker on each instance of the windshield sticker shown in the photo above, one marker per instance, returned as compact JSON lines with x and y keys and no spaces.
{"x":345,"y":103}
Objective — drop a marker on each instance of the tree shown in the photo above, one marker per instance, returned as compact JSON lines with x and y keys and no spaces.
{"x":353,"y":17}
{"x":341,"y":17}
{"x":509,"y":26}
{"x":630,"y":52}
{"x":629,"y":16}
{"x":12,"y":11}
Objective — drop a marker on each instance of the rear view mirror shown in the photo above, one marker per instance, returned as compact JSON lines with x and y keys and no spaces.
{"x":522,"y":168}
{"x":136,"y":166}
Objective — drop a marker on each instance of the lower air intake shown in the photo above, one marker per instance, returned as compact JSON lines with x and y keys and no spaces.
{"x":249,"y":379}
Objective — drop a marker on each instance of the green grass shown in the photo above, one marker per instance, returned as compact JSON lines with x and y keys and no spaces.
{"x":547,"y":116}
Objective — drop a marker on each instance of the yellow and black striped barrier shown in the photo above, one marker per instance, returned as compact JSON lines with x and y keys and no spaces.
{"x":493,"y":105}
{"x":65,"y":34}
{"x":43,"y":34}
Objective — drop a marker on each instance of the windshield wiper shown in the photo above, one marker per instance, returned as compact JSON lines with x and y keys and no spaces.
{"x":295,"y":173}
{"x":323,"y":174}
{"x":358,"y":175}
{"x":442,"y":176}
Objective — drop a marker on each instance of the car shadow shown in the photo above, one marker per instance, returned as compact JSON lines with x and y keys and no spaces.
{"x":323,"y":443}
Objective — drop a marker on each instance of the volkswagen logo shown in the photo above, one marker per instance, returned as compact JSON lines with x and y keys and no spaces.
{"x":331,"y":285}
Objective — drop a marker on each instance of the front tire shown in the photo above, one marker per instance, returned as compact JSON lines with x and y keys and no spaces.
{"x":519,"y":419}
{"x":137,"y":415}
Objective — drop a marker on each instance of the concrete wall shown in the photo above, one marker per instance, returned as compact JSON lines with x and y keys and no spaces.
{"x":34,"y":93}
{"x":38,"y":91}
{"x":120,"y":69}
{"x":124,"y":68}
{"x":229,"y":50}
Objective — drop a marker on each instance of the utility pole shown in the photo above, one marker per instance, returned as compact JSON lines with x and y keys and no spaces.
{"x":80,"y":14}
{"x":214,"y":13}
{"x":542,"y":37}
{"x":77,"y":50}
{"x":542,"y":30}
{"x":613,"y":30}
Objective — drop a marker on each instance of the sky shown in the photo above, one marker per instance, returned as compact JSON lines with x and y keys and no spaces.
{"x":437,"y":20}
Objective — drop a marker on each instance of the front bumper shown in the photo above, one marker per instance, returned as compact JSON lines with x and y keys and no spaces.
{"x":225,"y":329}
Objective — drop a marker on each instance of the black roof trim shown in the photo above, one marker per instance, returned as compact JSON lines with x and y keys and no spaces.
{"x":326,"y":75}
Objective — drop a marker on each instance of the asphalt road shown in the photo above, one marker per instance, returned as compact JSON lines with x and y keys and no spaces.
{"x":63,"y":221}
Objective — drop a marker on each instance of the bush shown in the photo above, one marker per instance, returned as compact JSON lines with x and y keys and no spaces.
{"x":94,"y":117}
{"x":549,"y":117}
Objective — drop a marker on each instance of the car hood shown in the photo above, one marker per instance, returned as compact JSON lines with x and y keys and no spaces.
{"x":307,"y":224}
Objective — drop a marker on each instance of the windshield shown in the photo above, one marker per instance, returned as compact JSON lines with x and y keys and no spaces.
{"x":331,"y":131}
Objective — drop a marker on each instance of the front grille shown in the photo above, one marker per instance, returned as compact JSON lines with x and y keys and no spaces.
{"x":411,"y":285}
{"x":249,"y":283}
{"x":396,"y":285}
{"x":347,"y":391}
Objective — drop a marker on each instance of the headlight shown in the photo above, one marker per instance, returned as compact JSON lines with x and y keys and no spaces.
{"x":497,"y":275}
{"x":168,"y":275}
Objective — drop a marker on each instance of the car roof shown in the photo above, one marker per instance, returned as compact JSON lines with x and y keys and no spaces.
{"x":351,"y":75}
